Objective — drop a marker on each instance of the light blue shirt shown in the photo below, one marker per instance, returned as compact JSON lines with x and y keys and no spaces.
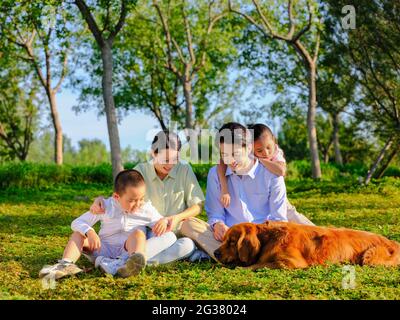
{"x":256,"y":197}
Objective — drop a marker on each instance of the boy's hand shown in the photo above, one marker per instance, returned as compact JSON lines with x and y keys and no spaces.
{"x":93,"y":240}
{"x":98,"y":206}
{"x":160,"y":227}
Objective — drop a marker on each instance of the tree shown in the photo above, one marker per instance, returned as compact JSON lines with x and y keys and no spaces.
{"x":188,"y":30}
{"x":104,"y":36}
{"x":17,"y":121}
{"x":91,"y":152}
{"x":336,"y":84}
{"x":38,"y":35}
{"x":302,"y":35}
{"x":372,"y":48}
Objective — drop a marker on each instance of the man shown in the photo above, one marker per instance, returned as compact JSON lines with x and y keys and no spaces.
{"x":257,"y":194}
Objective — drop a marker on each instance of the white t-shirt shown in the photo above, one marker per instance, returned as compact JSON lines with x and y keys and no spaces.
{"x":116,"y":225}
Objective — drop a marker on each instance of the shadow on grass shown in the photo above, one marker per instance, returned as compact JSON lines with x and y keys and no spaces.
{"x":36,"y":224}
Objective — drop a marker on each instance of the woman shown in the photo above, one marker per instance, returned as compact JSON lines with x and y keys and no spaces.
{"x":172,"y":189}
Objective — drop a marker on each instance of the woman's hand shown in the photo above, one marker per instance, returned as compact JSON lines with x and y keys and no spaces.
{"x":220,"y":229}
{"x":172,"y":223}
{"x":98,"y":206}
{"x":160,"y":227}
{"x":93,"y":240}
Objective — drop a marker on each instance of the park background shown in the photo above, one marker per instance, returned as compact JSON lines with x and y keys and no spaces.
{"x":85,"y":84}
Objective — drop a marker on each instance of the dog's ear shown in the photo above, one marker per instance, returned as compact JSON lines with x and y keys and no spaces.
{"x":248,"y":246}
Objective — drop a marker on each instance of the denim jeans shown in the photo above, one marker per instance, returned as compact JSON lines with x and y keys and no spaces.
{"x":167,"y":248}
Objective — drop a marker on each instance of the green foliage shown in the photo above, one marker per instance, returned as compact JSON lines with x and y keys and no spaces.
{"x":32,"y":175}
{"x":301,"y":169}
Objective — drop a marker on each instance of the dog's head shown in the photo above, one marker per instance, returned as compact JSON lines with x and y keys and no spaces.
{"x":241,"y":245}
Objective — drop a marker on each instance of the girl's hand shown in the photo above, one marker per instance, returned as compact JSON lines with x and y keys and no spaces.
{"x":93,"y":240}
{"x":225,"y":200}
{"x":160,"y":227}
{"x":98,"y":206}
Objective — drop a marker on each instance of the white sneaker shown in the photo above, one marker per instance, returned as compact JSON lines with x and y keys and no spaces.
{"x":108,"y":265}
{"x":133,"y":266}
{"x":60,"y":269}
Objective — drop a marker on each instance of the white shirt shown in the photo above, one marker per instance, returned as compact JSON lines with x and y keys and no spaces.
{"x":116,"y":225}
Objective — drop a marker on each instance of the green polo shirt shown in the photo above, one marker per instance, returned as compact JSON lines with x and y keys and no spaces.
{"x":177,"y":192}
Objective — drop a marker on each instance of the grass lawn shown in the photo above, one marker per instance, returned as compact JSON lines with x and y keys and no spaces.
{"x":35,"y":226}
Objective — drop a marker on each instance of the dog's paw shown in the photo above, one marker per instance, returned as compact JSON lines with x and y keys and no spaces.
{"x":368,"y":256}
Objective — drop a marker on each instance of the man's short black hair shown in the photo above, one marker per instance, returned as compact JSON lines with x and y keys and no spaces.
{"x":233,"y":133}
{"x":127,"y":178}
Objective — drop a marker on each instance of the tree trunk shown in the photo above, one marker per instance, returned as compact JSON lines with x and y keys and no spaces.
{"x":381,"y":155}
{"x":159,"y":117}
{"x":390,"y":158}
{"x":187,"y":90}
{"x":336,"y":145}
{"x":311,"y":128}
{"x":58,"y":134}
{"x":326,"y":152}
{"x":111,"y":114}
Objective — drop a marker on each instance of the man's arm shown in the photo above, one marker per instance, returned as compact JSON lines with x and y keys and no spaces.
{"x":277,"y":200}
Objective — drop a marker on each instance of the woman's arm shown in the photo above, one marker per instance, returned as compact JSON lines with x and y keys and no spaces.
{"x":276,"y":167}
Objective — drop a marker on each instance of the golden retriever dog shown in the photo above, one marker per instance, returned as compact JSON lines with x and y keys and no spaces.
{"x":291,"y":245}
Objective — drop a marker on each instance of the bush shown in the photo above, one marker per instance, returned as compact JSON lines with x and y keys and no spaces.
{"x":392,"y":172}
{"x":34,"y":175}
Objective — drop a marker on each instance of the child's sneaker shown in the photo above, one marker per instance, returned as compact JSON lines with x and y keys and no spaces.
{"x":133,"y":266}
{"x":59,"y":270}
{"x":108,"y":265}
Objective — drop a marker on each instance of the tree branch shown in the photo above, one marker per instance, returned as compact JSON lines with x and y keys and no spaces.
{"x":120,"y":22}
{"x":307,"y":27}
{"x":188,"y":35}
{"x":87,"y":15}
{"x":170,"y":65}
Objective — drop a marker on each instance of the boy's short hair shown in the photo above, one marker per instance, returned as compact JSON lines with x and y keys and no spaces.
{"x":233,"y":133}
{"x":127,"y":178}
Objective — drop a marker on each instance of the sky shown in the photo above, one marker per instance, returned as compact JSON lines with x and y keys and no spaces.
{"x":135,"y":129}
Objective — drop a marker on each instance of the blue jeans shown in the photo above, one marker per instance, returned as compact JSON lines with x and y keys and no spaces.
{"x":167,"y":248}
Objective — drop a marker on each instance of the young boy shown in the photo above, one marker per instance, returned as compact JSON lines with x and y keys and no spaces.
{"x":120,"y":246}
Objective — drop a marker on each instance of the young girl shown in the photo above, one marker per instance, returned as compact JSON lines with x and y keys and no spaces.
{"x":266,"y":149}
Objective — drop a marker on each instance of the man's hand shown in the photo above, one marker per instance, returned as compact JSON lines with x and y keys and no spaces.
{"x":220,"y":229}
{"x":98,"y":206}
{"x":160,"y":227}
{"x":94,"y":240}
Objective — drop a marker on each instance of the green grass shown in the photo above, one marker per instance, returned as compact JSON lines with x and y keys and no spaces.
{"x":35,"y":226}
